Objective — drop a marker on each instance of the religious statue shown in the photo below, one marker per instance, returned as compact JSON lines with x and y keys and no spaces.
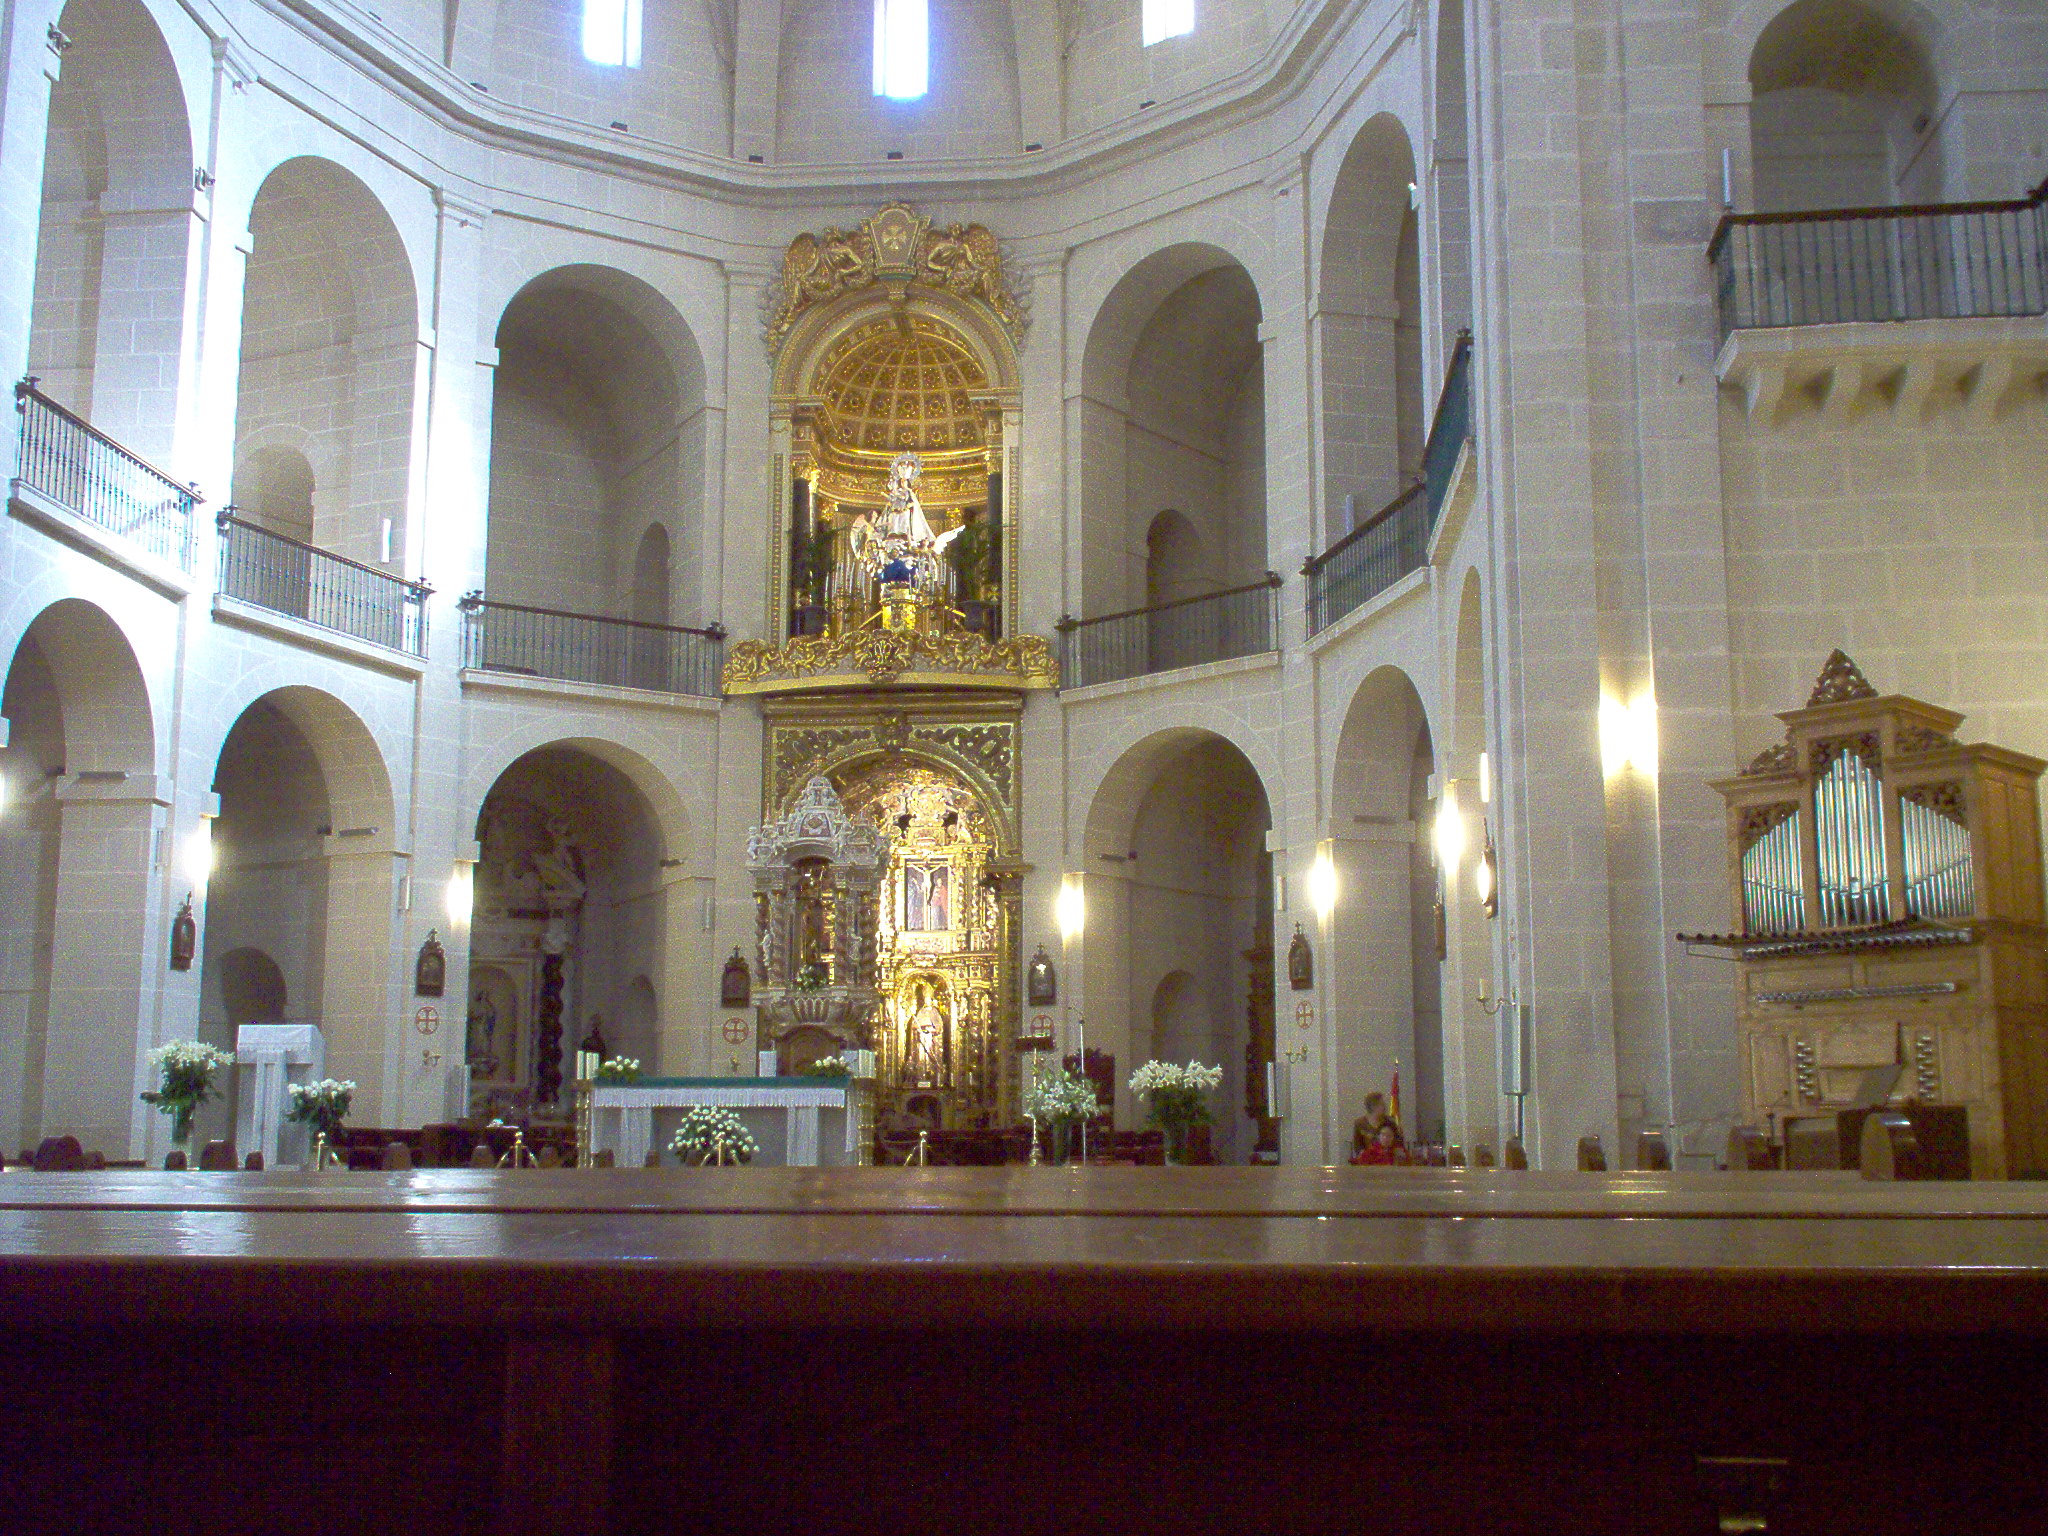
{"x":924,"y":1040}
{"x":897,"y":544}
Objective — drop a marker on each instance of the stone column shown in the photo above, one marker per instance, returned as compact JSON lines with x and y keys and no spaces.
{"x":107,"y":953}
{"x":365,"y":1019}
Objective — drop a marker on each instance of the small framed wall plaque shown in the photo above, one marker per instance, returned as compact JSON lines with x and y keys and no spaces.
{"x":736,"y":982}
{"x":430,"y":971}
{"x":1041,"y":985}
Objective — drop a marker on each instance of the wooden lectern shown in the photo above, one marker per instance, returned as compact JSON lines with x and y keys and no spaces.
{"x":1889,"y":881}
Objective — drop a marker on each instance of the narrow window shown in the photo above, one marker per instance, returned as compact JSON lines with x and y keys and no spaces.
{"x":611,"y":32}
{"x":901,"y":38}
{"x":1162,"y":19}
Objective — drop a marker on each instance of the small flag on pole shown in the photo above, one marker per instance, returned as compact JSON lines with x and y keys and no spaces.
{"x":1394,"y":1099}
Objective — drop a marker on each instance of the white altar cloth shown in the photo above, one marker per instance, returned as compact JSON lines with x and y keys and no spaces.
{"x":622,"y":1115}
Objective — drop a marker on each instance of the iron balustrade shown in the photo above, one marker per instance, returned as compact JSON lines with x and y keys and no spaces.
{"x":1395,"y":539}
{"x":589,"y":648}
{"x":1216,"y":626}
{"x":1936,"y":261}
{"x":72,"y":462}
{"x":286,"y":576}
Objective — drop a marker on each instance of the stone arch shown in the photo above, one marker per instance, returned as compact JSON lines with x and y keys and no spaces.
{"x":1369,"y":314}
{"x":1842,"y":94}
{"x":107,"y":330}
{"x":571,"y":908}
{"x":1173,"y":414}
{"x":78,"y":901}
{"x":330,"y":331}
{"x":598,"y":429}
{"x":1187,"y":887}
{"x":1113,"y":800}
{"x":273,"y":488}
{"x":820,"y":327}
{"x":671,"y":818}
{"x":1386,"y":983}
{"x":650,"y":594}
{"x":1176,"y":560}
{"x":852,"y":761}
{"x":252,"y":988}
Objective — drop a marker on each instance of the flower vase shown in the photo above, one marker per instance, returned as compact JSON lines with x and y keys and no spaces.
{"x":1176,"y":1142}
{"x":181,"y":1134}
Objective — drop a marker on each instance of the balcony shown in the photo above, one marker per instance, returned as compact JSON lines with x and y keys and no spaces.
{"x":66,"y":459}
{"x":1395,"y":540}
{"x":1886,"y":308}
{"x":1216,"y":626}
{"x":589,"y":648}
{"x":270,"y":570}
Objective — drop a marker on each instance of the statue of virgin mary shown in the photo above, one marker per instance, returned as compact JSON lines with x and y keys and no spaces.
{"x":897,"y":544}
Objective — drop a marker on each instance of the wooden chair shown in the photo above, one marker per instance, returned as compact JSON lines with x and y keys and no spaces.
{"x":1749,"y":1151}
{"x":396,"y":1157}
{"x":174,"y":1161}
{"x":1513,"y":1157}
{"x":1653,"y":1152}
{"x":217,"y":1157}
{"x":1591,"y":1158}
{"x":480,"y":1156}
{"x":1482,"y":1156}
{"x":253,"y":1163}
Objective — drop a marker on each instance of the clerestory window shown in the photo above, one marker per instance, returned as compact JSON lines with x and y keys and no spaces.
{"x":902,"y":47}
{"x":611,"y":32}
{"x":1161,"y":19}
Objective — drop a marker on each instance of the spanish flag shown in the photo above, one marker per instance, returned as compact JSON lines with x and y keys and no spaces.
{"x":1394,"y":1099}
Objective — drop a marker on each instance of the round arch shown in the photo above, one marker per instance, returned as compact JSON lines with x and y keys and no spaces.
{"x":358,"y":779}
{"x":816,"y":331}
{"x":636,"y":298}
{"x":1114,"y":800}
{"x":1117,"y":322}
{"x":657,"y":791}
{"x":103,"y":701}
{"x":1370,"y":767}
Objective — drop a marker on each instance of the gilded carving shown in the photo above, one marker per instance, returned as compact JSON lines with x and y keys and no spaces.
{"x":1924,"y":738}
{"x":797,"y":749}
{"x":1840,"y":681}
{"x":988,"y":747}
{"x":1945,"y":797}
{"x":1774,"y":759}
{"x":867,"y":657}
{"x":897,"y":246}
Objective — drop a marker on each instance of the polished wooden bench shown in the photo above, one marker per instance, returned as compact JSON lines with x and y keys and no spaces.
{"x":1017,"y":1349}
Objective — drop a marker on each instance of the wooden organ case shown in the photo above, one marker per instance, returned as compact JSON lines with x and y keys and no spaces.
{"x":1890,"y":884}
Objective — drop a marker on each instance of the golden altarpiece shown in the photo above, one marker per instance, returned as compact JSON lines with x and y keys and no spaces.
{"x":898,"y":685}
{"x":1890,"y":884}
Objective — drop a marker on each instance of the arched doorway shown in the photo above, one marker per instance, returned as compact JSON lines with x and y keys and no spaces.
{"x":1179,"y":941}
{"x":1387,"y":928}
{"x":568,"y":924}
{"x":300,"y":909}
{"x":79,"y":939}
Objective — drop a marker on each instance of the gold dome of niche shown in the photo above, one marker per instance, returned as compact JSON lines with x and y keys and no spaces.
{"x":888,"y":387}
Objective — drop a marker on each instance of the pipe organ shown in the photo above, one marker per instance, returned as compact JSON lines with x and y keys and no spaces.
{"x":1889,"y":881}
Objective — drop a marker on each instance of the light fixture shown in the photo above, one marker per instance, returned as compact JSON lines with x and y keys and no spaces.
{"x":1628,"y":735}
{"x":1070,"y":909}
{"x":1450,"y":831}
{"x":461,"y":893}
{"x":1485,"y":878}
{"x":199,"y":859}
{"x":1322,"y":884}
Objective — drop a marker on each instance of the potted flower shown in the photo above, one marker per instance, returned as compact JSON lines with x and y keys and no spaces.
{"x":619,"y":1069}
{"x":711,"y":1133}
{"x":1177,"y":1098}
{"x":185,"y":1070}
{"x":825,"y":1066}
{"x":321,"y":1107}
{"x":1060,"y":1100}
{"x":810,"y":575}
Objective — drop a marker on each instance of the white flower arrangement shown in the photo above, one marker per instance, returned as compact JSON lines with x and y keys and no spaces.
{"x":1061,"y":1095}
{"x":619,"y":1069}
{"x":827,"y":1066}
{"x":321,"y":1106}
{"x":704,"y":1127}
{"x":184,"y":1070}
{"x":1176,"y":1097}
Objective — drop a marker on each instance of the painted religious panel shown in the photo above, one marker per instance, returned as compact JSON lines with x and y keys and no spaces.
{"x":928,"y":897}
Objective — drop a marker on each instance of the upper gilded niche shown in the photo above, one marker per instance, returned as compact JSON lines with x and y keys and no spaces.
{"x":896,"y":248}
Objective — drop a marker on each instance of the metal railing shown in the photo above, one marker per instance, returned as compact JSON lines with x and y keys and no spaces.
{"x":71,"y":461}
{"x":1937,"y":261}
{"x":1241,"y":621}
{"x":286,"y":576}
{"x":588,"y":648}
{"x":1395,"y":540}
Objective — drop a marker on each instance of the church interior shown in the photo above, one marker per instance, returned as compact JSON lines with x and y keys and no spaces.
{"x":1275,"y":702}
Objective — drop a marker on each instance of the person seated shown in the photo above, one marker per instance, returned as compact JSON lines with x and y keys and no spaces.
{"x":1384,"y":1150}
{"x":1365,"y":1129}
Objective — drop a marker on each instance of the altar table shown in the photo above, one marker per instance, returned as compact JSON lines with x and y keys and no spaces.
{"x":622,"y":1114}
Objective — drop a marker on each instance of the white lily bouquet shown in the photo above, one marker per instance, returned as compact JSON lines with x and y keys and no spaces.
{"x":321,"y":1107}
{"x":619,"y":1069}
{"x":827,"y":1066}
{"x":1061,"y":1095}
{"x":185,"y":1070}
{"x":1177,"y":1098}
{"x":709,"y":1129}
